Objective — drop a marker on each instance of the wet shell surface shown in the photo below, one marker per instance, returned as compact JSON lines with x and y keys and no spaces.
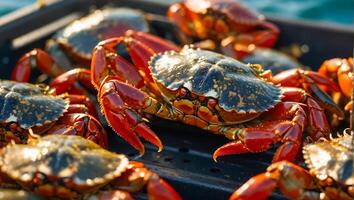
{"x":28,"y":104}
{"x":237,"y":87}
{"x":334,"y":159}
{"x":82,"y":35}
{"x":66,"y":160}
{"x":272,"y":60}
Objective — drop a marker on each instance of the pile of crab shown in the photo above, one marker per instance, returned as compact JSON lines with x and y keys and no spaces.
{"x":53,"y":144}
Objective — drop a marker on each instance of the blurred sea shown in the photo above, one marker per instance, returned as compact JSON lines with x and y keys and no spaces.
{"x":334,"y":11}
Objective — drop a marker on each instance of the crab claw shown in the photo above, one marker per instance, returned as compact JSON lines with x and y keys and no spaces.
{"x":259,"y":187}
{"x":80,"y":124}
{"x":120,"y":102}
{"x":158,"y":189}
{"x":35,"y":58}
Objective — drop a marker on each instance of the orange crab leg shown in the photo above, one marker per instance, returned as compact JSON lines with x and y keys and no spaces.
{"x":36,"y":58}
{"x":293,"y":181}
{"x":186,"y":20}
{"x":339,"y":69}
{"x":244,"y":43}
{"x":286,"y":125}
{"x":137,"y":176}
{"x":80,"y":124}
{"x":119,"y":102}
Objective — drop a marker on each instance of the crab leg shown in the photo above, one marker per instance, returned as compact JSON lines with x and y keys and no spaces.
{"x":120,"y":103}
{"x":80,"y":124}
{"x":137,"y":176}
{"x":244,"y":43}
{"x":309,"y":80}
{"x":66,"y":83}
{"x":286,"y":127}
{"x":67,"y":80}
{"x":35,"y":59}
{"x":84,"y":101}
{"x":293,"y":181}
{"x":119,"y":82}
{"x":141,"y":47}
{"x":284,"y":123}
{"x":339,"y":69}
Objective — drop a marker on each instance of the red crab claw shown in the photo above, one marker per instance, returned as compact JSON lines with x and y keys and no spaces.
{"x":293,"y":181}
{"x":67,"y":82}
{"x":137,"y":176}
{"x":80,"y":124}
{"x":35,"y":59}
{"x":120,"y":103}
{"x":309,"y":80}
{"x":286,"y":126}
{"x":141,"y":47}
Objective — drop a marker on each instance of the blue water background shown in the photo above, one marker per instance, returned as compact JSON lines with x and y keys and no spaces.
{"x":334,"y":11}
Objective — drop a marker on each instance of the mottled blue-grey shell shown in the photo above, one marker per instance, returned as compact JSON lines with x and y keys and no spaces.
{"x":81,"y":36}
{"x":272,"y":60}
{"x":74,"y":162}
{"x":334,"y":159}
{"x":28,"y":104}
{"x":235,"y":85}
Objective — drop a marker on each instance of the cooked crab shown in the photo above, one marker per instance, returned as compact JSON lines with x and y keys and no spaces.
{"x":44,"y":110}
{"x":73,"y":45}
{"x":330,"y":174}
{"x":237,"y":27}
{"x":207,"y":90}
{"x":71,"y":167}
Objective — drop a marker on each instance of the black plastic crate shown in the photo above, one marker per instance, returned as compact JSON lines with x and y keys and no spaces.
{"x":186,"y":161}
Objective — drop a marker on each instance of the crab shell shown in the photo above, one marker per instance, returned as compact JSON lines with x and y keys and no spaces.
{"x":238,"y":88}
{"x":70,"y":164}
{"x":29,"y":105}
{"x":273,"y":60}
{"x":332,"y":160}
{"x":80,"y":37}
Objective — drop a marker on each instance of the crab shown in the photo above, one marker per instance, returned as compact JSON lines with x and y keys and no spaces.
{"x":43,"y":110}
{"x":204,"y":89}
{"x":71,"y":167}
{"x":340,"y":70}
{"x":237,"y":27}
{"x":271,"y":59}
{"x":330,"y":174}
{"x":73,"y":45}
